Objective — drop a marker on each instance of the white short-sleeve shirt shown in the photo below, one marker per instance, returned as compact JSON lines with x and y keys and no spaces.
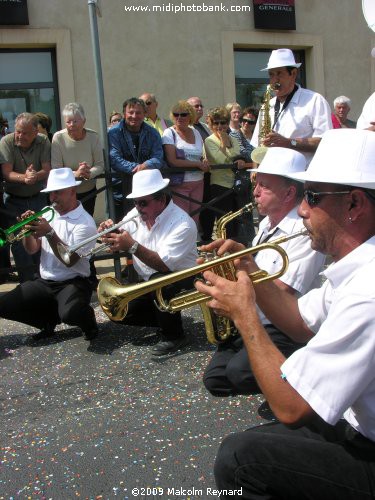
{"x":72,"y":228}
{"x":335,"y":371}
{"x":193,"y":152}
{"x":173,"y":237}
{"x":307,"y":115}
{"x":305,"y":264}
{"x":368,"y":113}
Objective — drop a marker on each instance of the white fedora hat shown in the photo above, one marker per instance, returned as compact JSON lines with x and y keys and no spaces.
{"x":344,"y":156}
{"x":147,"y":182}
{"x":281,"y":161}
{"x":60,"y":178}
{"x":281,"y":58}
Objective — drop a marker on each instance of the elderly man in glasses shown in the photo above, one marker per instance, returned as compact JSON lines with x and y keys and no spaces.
{"x":323,"y":395}
{"x":133,"y":146}
{"x":277,"y":197}
{"x":162,"y":240}
{"x":152,"y":118}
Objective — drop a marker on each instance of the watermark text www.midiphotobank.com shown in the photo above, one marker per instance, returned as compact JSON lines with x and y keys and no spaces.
{"x":177,"y":8}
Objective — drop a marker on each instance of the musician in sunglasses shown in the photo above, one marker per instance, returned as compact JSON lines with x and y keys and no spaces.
{"x":323,"y":442}
{"x":162,"y":240}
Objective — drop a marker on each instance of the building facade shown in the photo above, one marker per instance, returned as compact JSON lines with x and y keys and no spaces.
{"x":176,"y":50}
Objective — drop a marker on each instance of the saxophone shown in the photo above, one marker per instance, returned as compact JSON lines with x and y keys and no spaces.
{"x":218,"y":328}
{"x":265,"y":126}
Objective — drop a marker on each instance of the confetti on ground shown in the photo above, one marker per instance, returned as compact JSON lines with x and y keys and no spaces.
{"x":95,"y":421}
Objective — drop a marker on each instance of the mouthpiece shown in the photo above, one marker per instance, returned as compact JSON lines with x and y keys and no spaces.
{"x":276,"y":86}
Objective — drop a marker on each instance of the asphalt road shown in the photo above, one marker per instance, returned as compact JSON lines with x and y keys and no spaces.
{"x":105,"y":420}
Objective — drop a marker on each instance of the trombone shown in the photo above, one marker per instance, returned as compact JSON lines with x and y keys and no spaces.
{"x":114,"y":297}
{"x":66,"y":252}
{"x":10,"y":235}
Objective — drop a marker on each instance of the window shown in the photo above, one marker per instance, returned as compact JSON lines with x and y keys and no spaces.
{"x":251,"y":83}
{"x":28,"y":82}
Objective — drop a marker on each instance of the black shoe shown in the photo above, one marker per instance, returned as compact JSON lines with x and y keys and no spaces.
{"x":168,"y":346}
{"x":91,"y":334}
{"x":44,"y":334}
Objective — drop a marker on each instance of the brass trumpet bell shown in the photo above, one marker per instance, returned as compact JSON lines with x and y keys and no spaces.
{"x":114,"y":297}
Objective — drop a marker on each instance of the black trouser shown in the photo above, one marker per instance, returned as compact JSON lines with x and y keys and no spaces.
{"x":316,"y":462}
{"x":41,"y":303}
{"x":142,"y":311}
{"x":229,"y":371}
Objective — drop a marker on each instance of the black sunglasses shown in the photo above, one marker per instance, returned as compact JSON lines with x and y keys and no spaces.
{"x":142,"y":203}
{"x":148,"y":102}
{"x":220,"y":122}
{"x":183,"y":115}
{"x":250,"y":122}
{"x":313,"y":199}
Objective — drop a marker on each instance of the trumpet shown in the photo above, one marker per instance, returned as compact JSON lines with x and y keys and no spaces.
{"x":66,"y":252}
{"x":10,"y":235}
{"x":114,"y":297}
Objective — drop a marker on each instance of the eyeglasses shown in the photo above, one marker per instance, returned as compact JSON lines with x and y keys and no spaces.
{"x":148,"y":102}
{"x":183,"y":115}
{"x":313,"y":199}
{"x":220,"y":122}
{"x":142,"y":203}
{"x":250,"y":122}
{"x":198,"y":106}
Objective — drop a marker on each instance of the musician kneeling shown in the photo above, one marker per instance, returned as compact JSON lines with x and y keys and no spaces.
{"x":62,"y":293}
{"x":163,"y":240}
{"x":277,"y":197}
{"x":323,"y":394}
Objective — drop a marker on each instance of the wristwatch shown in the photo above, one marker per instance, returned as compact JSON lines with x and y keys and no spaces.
{"x":133,"y":248}
{"x":50,"y":234}
{"x":293,"y":143}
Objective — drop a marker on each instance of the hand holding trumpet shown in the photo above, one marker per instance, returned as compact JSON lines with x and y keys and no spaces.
{"x":116,"y":241}
{"x":36,"y":227}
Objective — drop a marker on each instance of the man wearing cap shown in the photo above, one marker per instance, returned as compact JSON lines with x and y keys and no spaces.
{"x":163,"y":241}
{"x":323,"y":395}
{"x":299,"y":117}
{"x":63,"y":292}
{"x":25,"y":167}
{"x":277,"y":198}
{"x":133,"y":146}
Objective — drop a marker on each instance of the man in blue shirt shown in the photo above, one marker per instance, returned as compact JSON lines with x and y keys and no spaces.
{"x":133,"y":146}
